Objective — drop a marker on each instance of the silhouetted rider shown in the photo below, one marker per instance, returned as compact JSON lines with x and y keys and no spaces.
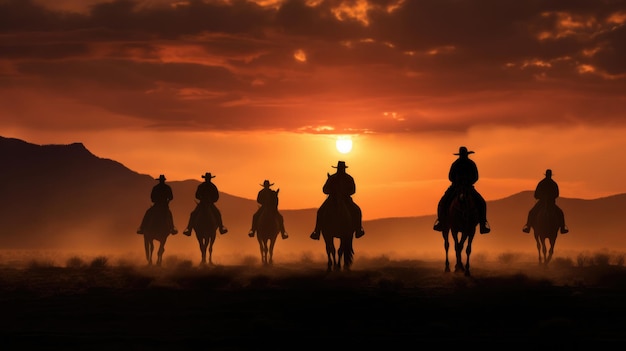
{"x":266,"y":198}
{"x":463,"y":172}
{"x":207,"y":194}
{"x":161,"y":195}
{"x":340,"y":184}
{"x":546,"y":192}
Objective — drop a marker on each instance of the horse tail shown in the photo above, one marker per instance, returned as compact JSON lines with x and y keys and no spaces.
{"x":348,"y":251}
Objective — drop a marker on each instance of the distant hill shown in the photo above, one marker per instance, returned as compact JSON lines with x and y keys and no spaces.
{"x":63,"y":196}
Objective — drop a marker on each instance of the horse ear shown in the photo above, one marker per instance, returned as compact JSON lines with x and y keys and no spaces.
{"x":277,"y":190}
{"x":328,"y":175}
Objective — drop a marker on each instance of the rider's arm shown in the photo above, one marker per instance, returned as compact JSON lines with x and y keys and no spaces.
{"x":327,"y":188}
{"x":215,"y":194}
{"x":351,"y":186}
{"x":473,"y":173}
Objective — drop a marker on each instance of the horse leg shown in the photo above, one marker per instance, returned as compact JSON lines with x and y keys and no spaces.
{"x":264,"y":251}
{"x":538,"y":247}
{"x":271,"y":250}
{"x":458,"y":250}
{"x":261,"y":251}
{"x":339,"y":258}
{"x":551,"y":251}
{"x":149,"y":246}
{"x":211,"y":241}
{"x":446,"y":246}
{"x":345,"y":247}
{"x":468,"y":252}
{"x":202,"y":242}
{"x":544,"y":250}
{"x":331,"y":253}
{"x":160,"y":252}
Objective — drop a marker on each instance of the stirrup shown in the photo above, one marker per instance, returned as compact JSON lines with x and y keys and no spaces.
{"x":438,"y":226}
{"x":360,"y":233}
{"x":484,"y":228}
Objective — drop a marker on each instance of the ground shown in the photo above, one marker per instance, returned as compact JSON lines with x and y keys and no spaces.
{"x":100,"y":305}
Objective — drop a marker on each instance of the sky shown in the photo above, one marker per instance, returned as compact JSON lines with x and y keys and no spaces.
{"x":255,"y":90}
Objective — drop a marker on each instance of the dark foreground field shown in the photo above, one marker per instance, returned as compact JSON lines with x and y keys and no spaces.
{"x":406,"y":304}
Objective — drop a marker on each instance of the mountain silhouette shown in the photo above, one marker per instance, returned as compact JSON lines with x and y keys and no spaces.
{"x":65,"y":197}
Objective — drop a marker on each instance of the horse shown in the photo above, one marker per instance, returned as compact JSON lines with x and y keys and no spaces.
{"x":336,"y":222}
{"x":157,"y":227}
{"x":462,"y":219}
{"x":268,"y":228}
{"x":205,"y":225}
{"x":545,"y":227}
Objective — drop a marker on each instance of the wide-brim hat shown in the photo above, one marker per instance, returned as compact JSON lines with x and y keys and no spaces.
{"x":463,"y":151}
{"x":340,"y":164}
{"x":266,"y":184}
{"x":161,"y":177}
{"x":208,"y":175}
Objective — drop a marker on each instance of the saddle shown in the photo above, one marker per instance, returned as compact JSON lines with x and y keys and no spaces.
{"x":336,"y":210}
{"x":546,"y":210}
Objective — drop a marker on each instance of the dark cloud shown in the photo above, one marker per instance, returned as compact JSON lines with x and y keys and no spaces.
{"x":432,"y":64}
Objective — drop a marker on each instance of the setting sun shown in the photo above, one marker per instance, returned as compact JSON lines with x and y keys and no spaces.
{"x":344,"y":144}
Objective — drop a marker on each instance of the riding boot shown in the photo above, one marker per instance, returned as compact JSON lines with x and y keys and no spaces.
{"x":315,"y":235}
{"x":251,"y":233}
{"x":360,"y":232}
{"x":438,"y":226}
{"x":283,"y":232}
{"x":484,"y":228}
{"x":223,"y":229}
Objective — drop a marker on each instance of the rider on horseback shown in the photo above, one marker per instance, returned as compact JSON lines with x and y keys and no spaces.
{"x":265,"y":198}
{"x":463,"y":172}
{"x":161,"y":196}
{"x":340,"y":184}
{"x":208,"y":194}
{"x":546,"y":193}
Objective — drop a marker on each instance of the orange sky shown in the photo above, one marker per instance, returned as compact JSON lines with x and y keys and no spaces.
{"x":260,"y":90}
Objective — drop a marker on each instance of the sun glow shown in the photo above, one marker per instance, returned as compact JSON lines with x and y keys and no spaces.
{"x":344,"y":144}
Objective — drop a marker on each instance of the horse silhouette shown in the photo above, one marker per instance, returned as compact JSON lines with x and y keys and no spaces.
{"x":462,"y":219}
{"x":268,"y":228}
{"x":205,"y":225}
{"x":337,"y":222}
{"x":157,"y":227}
{"x":545,"y":226}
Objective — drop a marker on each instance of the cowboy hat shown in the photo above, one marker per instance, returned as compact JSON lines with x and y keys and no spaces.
{"x":463,"y":151}
{"x":340,"y":164}
{"x":161,"y":177}
{"x":266,"y":184}
{"x":208,"y":175}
